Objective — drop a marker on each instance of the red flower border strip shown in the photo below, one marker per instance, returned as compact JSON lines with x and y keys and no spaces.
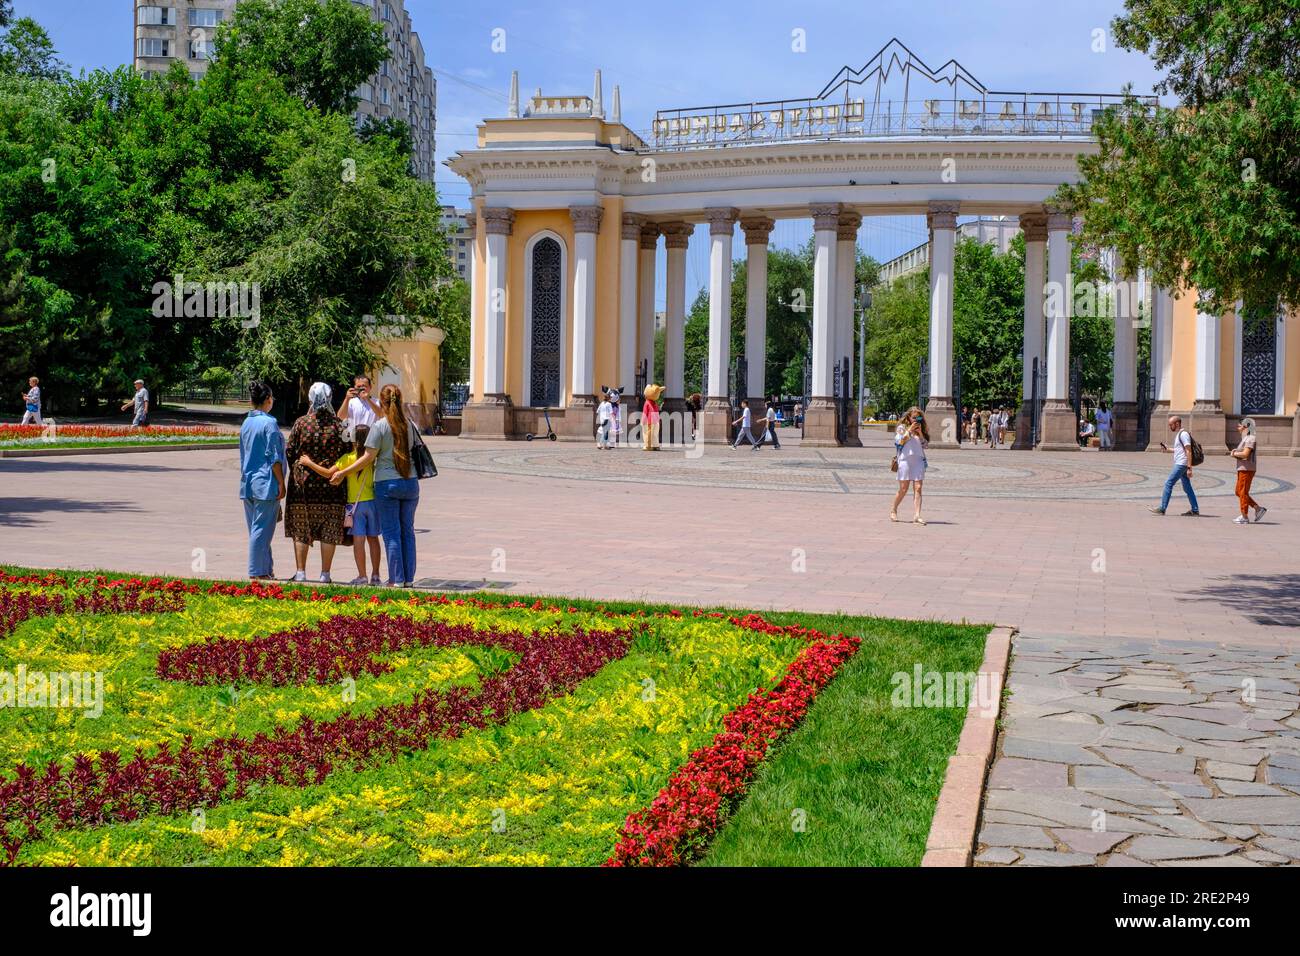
{"x":678,"y":825}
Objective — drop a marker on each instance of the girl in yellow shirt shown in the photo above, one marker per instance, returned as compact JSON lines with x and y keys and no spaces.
{"x":362,"y":518}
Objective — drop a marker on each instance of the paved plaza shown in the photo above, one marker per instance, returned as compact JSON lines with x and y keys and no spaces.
{"x":1136,"y":631}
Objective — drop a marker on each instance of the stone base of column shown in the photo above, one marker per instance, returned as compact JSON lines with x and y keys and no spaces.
{"x":1158,"y":427}
{"x":819,"y":429}
{"x":715,"y":421}
{"x":1060,"y":427}
{"x":1295,"y":434}
{"x":578,"y":423}
{"x":854,"y":438}
{"x":675,"y":423}
{"x":1210,"y":426}
{"x":1024,"y":440}
{"x":1125,"y":429}
{"x":942,"y":420}
{"x":490,"y":419}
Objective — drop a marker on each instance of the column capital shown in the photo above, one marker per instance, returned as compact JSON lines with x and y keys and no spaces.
{"x":632,"y":224}
{"x":1058,"y":218}
{"x":722,"y":219}
{"x":757,"y":229}
{"x":498,"y":221}
{"x":1034,"y":226}
{"x":471,"y":226}
{"x":943,"y":214}
{"x":650,"y":234}
{"x":586,"y":218}
{"x":676,"y":234}
{"x":826,"y":216}
{"x":849,"y":224}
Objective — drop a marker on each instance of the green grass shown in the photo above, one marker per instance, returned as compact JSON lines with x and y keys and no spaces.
{"x":862,"y":776}
{"x":223,"y":442}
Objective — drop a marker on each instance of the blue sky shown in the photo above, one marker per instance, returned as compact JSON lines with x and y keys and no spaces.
{"x":667,"y":53}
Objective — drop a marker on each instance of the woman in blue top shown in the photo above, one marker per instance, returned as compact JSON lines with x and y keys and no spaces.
{"x":397,"y":490}
{"x":261,"y":479}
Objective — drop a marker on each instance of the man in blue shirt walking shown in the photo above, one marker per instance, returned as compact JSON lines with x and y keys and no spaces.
{"x":261,"y":479}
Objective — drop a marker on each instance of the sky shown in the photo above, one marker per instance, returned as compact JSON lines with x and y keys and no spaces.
{"x":668,"y":54}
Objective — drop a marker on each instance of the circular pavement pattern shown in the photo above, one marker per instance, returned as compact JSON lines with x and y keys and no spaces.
{"x":975,"y":473}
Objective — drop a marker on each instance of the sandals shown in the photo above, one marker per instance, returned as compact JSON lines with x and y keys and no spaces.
{"x":893,"y":516}
{"x":918,"y":520}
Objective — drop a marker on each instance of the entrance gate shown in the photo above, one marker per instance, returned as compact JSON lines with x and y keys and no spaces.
{"x":1146,"y":398}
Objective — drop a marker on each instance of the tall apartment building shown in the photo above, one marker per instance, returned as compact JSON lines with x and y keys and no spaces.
{"x":404,"y":88}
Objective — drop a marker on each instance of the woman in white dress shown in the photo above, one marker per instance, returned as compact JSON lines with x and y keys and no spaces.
{"x":910,"y":441}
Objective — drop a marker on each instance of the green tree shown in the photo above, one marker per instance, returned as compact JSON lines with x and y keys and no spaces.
{"x":323,"y":51}
{"x":1206,"y":195}
{"x":27,"y":50}
{"x":898,"y":337}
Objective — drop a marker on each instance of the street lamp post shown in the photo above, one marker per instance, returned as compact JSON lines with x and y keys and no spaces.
{"x":864,"y":303}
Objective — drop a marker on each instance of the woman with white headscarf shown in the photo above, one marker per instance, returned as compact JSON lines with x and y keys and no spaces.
{"x":314,"y":508}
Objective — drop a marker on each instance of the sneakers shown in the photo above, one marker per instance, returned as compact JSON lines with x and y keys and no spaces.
{"x":1191,"y":514}
{"x":1259,"y":514}
{"x":359,"y":580}
{"x":1156,"y":511}
{"x":374,"y":581}
{"x":325,"y":578}
{"x":299,"y":577}
{"x":1241,"y":519}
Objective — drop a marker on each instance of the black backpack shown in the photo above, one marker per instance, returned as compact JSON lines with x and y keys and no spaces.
{"x":1198,"y":453}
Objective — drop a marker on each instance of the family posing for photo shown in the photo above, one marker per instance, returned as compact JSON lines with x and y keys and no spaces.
{"x":345,"y":476}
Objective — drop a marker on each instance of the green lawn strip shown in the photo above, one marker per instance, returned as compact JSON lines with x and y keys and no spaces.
{"x":551,"y":786}
{"x":856,"y":783}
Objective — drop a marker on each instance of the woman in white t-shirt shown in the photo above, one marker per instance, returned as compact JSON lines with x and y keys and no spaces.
{"x":910,"y":441}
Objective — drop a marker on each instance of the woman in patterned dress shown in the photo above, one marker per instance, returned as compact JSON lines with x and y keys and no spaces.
{"x":314,"y":507}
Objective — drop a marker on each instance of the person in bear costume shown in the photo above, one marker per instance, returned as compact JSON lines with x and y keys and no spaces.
{"x":650,"y":417}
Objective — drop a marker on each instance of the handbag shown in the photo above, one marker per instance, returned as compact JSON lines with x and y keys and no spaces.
{"x":348,"y":511}
{"x":893,"y":465}
{"x":421,"y":459}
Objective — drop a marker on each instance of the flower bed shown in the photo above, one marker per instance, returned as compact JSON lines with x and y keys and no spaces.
{"x":55,"y":434}
{"x":256,"y":724}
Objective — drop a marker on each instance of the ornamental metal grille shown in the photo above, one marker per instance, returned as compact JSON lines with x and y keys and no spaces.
{"x":544,"y":388}
{"x":1258,"y":365}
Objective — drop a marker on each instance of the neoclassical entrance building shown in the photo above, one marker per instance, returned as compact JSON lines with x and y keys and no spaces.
{"x":571,"y":210}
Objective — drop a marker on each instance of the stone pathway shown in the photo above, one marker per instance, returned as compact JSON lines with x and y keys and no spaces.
{"x":1145,"y":753}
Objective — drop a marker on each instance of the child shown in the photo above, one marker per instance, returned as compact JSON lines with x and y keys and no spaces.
{"x":32,"y":402}
{"x":604,"y":412}
{"x":769,"y":422}
{"x":615,"y":423}
{"x":362,"y":518}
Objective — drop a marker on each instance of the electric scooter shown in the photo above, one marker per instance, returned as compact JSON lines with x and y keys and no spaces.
{"x":550,"y":432}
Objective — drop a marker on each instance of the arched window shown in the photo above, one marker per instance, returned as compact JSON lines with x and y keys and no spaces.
{"x":545,"y":340}
{"x":1258,"y":362}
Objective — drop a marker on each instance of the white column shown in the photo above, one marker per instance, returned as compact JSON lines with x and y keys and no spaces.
{"x":645,"y":349}
{"x":471,"y":233}
{"x":826,"y":224}
{"x":1034,"y":227}
{"x":1058,"y":306}
{"x":1124,"y":362}
{"x":628,"y":250}
{"x":846,"y":274}
{"x":722,"y":223}
{"x":676,"y":237}
{"x":1208,"y":335}
{"x":498,"y":224}
{"x":586,"y":224}
{"x":1162,"y":342}
{"x":757,"y":231}
{"x":943,"y":243}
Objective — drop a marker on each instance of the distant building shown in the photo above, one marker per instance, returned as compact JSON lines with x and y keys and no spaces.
{"x":404,"y":88}
{"x":997,"y":232}
{"x":460,"y":247}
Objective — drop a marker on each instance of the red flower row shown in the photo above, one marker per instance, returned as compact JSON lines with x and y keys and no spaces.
{"x":11,"y":432}
{"x":18,"y":606}
{"x":683,"y":818}
{"x":107,"y":789}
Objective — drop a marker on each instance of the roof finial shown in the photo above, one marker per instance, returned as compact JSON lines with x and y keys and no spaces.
{"x":617,"y":110}
{"x":513,"y":112}
{"x":597,"y":107}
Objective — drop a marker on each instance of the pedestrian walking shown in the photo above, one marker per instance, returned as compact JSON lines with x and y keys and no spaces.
{"x":1184,"y":460}
{"x":604,"y":412}
{"x":1246,"y":453}
{"x":911,"y":438}
{"x":32,"y":402}
{"x":139,"y":404}
{"x":745,"y":421}
{"x":769,"y":421}
{"x":261,"y":479}
{"x":1105,"y":426}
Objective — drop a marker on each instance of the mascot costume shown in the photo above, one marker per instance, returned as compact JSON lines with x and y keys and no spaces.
{"x":650,"y":417}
